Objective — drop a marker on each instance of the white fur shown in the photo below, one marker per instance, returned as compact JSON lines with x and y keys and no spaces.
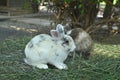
{"x":43,"y":49}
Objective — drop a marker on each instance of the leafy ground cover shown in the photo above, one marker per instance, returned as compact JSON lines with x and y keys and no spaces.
{"x":104,"y":64}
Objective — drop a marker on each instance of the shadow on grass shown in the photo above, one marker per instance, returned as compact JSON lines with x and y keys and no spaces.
{"x":6,"y":33}
{"x":107,"y":38}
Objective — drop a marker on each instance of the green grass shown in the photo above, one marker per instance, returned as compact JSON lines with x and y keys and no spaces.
{"x":104,"y":64}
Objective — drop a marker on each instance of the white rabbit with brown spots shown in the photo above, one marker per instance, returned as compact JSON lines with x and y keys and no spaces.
{"x":54,"y":49}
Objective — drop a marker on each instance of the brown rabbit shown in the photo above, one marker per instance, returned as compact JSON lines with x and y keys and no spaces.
{"x":82,"y":40}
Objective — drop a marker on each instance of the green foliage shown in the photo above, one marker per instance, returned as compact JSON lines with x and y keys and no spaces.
{"x":26,"y":6}
{"x":104,"y":64}
{"x":68,"y":1}
{"x":37,"y":1}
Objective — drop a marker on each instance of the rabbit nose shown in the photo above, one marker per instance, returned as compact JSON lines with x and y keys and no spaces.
{"x":69,"y":50}
{"x":73,"y":49}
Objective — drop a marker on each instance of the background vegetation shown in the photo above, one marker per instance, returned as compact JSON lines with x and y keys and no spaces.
{"x":82,"y":13}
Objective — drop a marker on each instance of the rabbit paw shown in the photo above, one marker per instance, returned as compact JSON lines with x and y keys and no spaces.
{"x":42,"y":66}
{"x":61,"y":66}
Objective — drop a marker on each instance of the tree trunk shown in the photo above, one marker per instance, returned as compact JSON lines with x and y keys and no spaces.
{"x":34,"y":6}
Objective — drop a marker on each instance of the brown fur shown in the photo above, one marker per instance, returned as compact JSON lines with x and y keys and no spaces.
{"x":83,"y":42}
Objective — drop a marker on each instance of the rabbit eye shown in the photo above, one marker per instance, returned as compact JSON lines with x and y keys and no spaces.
{"x":65,"y":41}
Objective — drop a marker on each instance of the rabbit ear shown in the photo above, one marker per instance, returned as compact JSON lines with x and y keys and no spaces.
{"x":55,"y":34}
{"x":69,"y":32}
{"x":60,"y":29}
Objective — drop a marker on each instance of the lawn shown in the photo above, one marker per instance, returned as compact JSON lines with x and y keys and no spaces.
{"x":104,"y":64}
